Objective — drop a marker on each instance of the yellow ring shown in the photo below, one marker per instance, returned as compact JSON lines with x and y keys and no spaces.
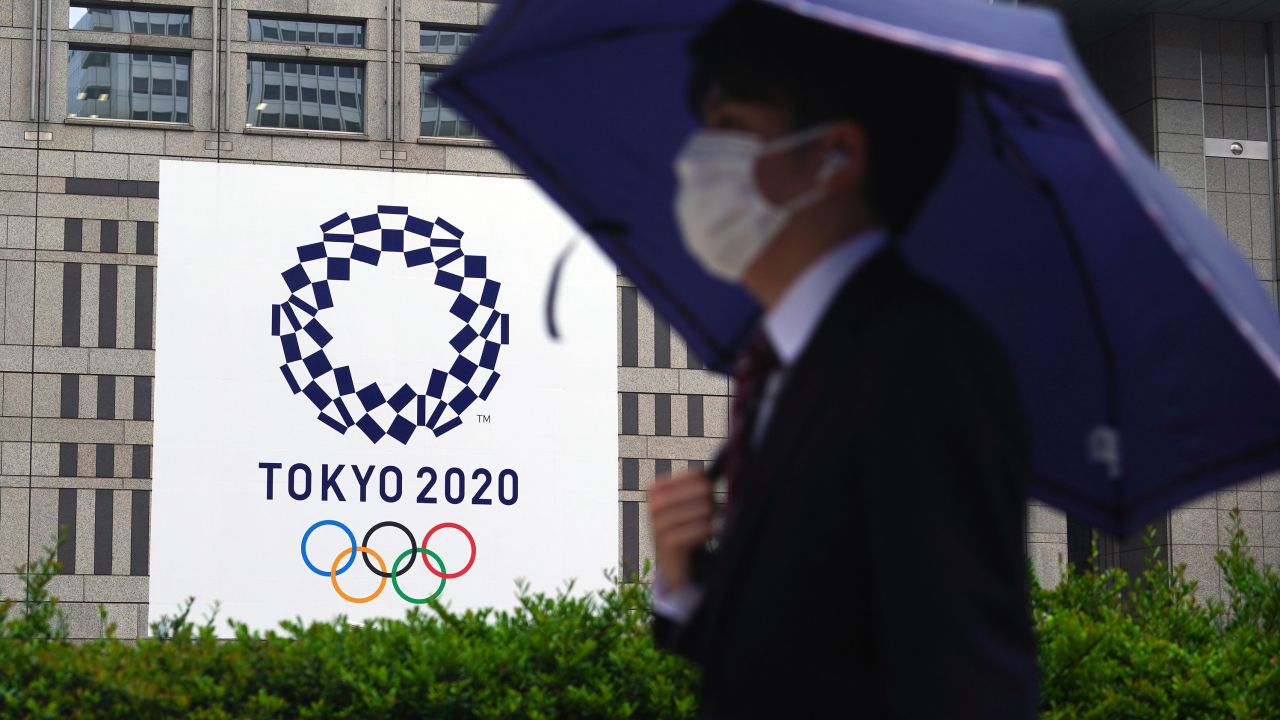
{"x":333,"y":575}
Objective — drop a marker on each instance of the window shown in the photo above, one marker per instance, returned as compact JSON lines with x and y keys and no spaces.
{"x":175,"y":23}
{"x":435,"y":119}
{"x":444,"y":40}
{"x":306,"y":32}
{"x":317,"y":96}
{"x":129,"y":85}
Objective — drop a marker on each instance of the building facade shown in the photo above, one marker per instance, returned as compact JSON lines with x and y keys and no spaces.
{"x":93,"y":95}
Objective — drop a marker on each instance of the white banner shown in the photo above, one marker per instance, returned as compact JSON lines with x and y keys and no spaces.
{"x":357,"y":403}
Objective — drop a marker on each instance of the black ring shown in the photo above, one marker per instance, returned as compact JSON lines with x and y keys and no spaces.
{"x":365,"y":543}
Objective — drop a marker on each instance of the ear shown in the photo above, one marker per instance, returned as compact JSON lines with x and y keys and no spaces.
{"x":846,"y":163}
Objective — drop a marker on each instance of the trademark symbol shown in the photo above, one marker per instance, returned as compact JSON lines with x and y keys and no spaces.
{"x":482,"y":419}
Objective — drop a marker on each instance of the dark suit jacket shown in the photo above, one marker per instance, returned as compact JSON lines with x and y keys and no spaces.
{"x":874,"y":564}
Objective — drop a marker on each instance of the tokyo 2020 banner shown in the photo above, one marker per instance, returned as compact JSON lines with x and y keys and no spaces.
{"x":358,"y":408}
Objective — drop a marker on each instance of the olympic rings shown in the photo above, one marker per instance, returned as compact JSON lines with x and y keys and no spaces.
{"x":442,"y":574}
{"x":396,"y":570}
{"x":333,"y":576}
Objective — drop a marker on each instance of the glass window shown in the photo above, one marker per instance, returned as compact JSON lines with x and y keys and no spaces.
{"x":306,"y":32}
{"x":435,"y":119}
{"x":444,"y":40}
{"x":129,"y":85}
{"x":175,"y":23}
{"x":315,"y":96}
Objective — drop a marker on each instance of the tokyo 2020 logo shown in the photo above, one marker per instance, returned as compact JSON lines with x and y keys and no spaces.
{"x":338,"y":566}
{"x":437,"y":398}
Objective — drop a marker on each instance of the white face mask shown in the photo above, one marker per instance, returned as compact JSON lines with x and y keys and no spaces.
{"x":725,"y":220}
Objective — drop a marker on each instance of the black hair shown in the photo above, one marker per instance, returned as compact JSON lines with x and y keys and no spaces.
{"x":905,"y":100}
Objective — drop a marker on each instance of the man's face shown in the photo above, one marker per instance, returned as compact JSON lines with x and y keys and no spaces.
{"x":782,"y":175}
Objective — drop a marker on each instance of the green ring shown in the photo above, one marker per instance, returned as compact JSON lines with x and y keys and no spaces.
{"x":395,"y":583}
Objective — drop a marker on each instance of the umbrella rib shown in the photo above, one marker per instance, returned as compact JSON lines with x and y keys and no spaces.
{"x":1007,"y":147}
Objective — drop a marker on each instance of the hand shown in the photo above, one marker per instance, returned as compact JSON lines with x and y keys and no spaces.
{"x":680,"y":509}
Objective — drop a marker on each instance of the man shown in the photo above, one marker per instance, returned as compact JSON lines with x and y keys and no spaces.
{"x":871,"y":563}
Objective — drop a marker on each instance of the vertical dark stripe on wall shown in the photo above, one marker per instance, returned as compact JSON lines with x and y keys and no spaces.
{"x":630,"y":414}
{"x":140,"y":533}
{"x":145,"y":308}
{"x":141,"y":462}
{"x":73,"y":234}
{"x":695,"y":416}
{"x":71,"y":305}
{"x":107,"y":289}
{"x":630,"y":540}
{"x":630,"y":474}
{"x":68,"y":460}
{"x":67,"y":530}
{"x":661,"y":466}
{"x":69,"y":403}
{"x":142,"y":398}
{"x":1079,"y":542}
{"x":661,"y":414}
{"x":110,"y":236}
{"x":691,"y":360}
{"x":104,"y":460}
{"x":661,"y":342}
{"x":106,"y":397}
{"x":103,"y":512}
{"x":146,"y":238}
{"x":630,"y":329}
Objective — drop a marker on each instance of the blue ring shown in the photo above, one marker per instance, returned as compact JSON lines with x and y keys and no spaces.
{"x":345,"y":529}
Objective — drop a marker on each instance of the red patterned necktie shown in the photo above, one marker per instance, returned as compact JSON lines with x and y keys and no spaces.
{"x":750,"y":377}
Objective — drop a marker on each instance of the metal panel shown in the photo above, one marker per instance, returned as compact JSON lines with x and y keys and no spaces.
{"x":103,"y":508}
{"x":107,"y":305}
{"x":71,"y":305}
{"x":630,"y":474}
{"x":69,"y":402}
{"x":1228,"y":148}
{"x":630,"y":541}
{"x":48,"y":53}
{"x":67,"y":531}
{"x":213,"y":91}
{"x":661,"y":414}
{"x":140,"y":533}
{"x":106,"y":397}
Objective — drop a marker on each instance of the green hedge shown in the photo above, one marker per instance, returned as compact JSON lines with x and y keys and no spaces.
{"x":1110,"y":647}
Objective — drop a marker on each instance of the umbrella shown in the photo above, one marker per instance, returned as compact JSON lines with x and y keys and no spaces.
{"x":1145,"y":350}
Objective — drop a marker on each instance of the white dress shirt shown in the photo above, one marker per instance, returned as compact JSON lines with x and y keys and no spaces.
{"x":789,"y":325}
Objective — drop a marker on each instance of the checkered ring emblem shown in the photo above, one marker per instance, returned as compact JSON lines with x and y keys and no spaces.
{"x":437,"y":399}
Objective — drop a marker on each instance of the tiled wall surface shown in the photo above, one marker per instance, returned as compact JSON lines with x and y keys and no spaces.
{"x":673,"y":415}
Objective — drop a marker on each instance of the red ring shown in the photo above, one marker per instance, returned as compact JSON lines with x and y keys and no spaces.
{"x":456,"y":526}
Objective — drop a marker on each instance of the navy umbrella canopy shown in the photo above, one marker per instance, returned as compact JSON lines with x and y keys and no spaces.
{"x":1146,"y":352}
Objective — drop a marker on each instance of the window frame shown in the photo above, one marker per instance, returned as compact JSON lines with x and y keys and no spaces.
{"x":446,"y":27}
{"x":448,"y":139}
{"x":253,"y":127}
{"x":363,"y":24}
{"x":126,"y":7}
{"x":125,"y":49}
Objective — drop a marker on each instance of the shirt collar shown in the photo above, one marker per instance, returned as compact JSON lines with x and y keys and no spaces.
{"x":791,"y":323}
